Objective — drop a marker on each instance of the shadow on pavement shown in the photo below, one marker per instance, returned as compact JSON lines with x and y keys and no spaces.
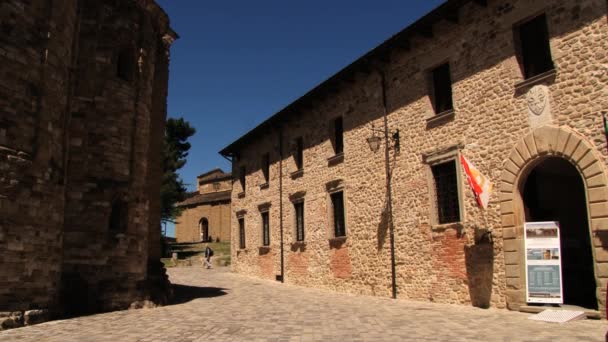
{"x":184,"y":293}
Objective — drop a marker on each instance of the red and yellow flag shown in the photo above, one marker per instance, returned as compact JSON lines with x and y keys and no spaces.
{"x":482,"y":187}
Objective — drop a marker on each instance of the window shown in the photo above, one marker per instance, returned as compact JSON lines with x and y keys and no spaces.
{"x":442,"y":88}
{"x":532,"y":40}
{"x":265,"y":229}
{"x":119,"y":216}
{"x":299,"y":207}
{"x":242,"y":233}
{"x":446,"y":190}
{"x":125,"y":65}
{"x":266,"y":167}
{"x":242,"y":173}
{"x":338,"y":136}
{"x":216,"y":186}
{"x":299,"y":157}
{"x":337,"y":201}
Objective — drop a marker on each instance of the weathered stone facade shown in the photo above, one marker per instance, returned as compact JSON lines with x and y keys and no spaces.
{"x":505,"y":123}
{"x":206,"y":212}
{"x":83,"y":87}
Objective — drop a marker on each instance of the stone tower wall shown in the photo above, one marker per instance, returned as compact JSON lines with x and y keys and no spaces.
{"x":82,"y":103}
{"x":35,"y":57}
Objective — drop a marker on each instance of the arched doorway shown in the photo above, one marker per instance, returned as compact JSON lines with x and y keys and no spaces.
{"x":554,"y":191}
{"x":204,"y":229}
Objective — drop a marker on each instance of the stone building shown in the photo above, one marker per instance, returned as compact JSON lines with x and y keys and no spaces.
{"x":83,"y":88}
{"x":516,"y":86}
{"x":206,"y":212}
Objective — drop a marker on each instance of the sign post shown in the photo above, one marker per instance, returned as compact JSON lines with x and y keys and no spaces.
{"x":543,"y":263}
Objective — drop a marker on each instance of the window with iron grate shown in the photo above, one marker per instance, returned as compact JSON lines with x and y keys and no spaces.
{"x":337,"y":201}
{"x":242,"y":233}
{"x":265,"y":229}
{"x":446,"y":190}
{"x":299,"y":207}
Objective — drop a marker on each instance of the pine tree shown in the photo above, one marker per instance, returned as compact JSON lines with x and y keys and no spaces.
{"x":177,"y":132}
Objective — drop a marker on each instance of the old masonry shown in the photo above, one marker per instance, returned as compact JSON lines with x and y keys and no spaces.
{"x":517,"y":87}
{"x":83,"y":87}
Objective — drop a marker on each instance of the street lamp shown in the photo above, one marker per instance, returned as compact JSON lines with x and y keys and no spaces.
{"x":374,"y":144}
{"x":374,"y":140}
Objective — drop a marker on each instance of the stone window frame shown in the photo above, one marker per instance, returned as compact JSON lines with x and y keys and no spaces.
{"x":265,"y":167}
{"x":242,"y":180}
{"x":451,"y":153}
{"x":520,"y":54}
{"x":240,"y":215}
{"x":264,"y":210}
{"x":296,"y":199}
{"x":337,"y":148}
{"x":432,"y":74}
{"x":334,"y":187}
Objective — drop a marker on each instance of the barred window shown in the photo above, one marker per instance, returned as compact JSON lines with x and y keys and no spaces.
{"x":265,"y":229}
{"x":442,"y":89}
{"x":242,"y":233}
{"x":446,"y":190}
{"x":337,"y":201}
{"x":299,"y":206}
{"x":299,"y":157}
{"x":534,"y":51}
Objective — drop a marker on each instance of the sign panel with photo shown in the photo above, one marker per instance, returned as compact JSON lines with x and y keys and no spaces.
{"x":543,"y":263}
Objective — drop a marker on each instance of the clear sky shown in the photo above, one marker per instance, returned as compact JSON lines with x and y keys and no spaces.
{"x":239,"y":62}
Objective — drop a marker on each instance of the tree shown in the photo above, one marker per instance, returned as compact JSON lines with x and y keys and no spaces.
{"x":177,"y":132}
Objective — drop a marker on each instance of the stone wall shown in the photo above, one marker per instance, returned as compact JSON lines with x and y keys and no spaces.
{"x":76,"y":137}
{"x":491,"y":114}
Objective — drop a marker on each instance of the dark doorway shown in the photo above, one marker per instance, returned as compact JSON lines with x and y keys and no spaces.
{"x":204,"y":225}
{"x":554,"y":191}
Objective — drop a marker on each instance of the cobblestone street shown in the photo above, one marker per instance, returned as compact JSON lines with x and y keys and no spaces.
{"x":215,"y":305}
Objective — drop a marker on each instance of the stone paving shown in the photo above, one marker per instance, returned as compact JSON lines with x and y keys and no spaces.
{"x":216,"y":305}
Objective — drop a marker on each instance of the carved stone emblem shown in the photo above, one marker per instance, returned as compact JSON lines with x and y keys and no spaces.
{"x":537,"y":99}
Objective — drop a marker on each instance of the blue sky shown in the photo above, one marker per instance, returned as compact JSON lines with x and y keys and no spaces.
{"x":239,"y":62}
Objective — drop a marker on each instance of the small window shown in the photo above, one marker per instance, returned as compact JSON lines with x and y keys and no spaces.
{"x":119,"y":217}
{"x":532,"y":41}
{"x":442,"y":89}
{"x":125,"y":65}
{"x":337,"y":201}
{"x":299,"y":207}
{"x":299,"y":157}
{"x":242,"y":233}
{"x":216,"y":186}
{"x":338,"y":136}
{"x":446,"y":191}
{"x":242,"y":174}
{"x":266,"y":167}
{"x":265,"y":229}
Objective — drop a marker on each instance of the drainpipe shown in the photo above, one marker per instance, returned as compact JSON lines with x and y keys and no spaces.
{"x":281,"y":277}
{"x":388,"y":185}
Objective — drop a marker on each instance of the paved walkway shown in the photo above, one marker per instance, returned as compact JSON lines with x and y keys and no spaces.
{"x":215,"y":305}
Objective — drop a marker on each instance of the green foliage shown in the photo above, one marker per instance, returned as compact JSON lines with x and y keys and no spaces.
{"x":177,"y":132}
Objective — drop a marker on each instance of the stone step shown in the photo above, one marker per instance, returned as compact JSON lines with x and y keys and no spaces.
{"x":592,"y":314}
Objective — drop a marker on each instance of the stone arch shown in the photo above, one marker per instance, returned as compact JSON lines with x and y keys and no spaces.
{"x":551,"y":141}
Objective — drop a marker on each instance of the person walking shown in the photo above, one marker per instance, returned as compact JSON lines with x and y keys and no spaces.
{"x":208,"y":255}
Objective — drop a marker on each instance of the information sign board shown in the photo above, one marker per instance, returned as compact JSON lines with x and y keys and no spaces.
{"x":543,"y":263}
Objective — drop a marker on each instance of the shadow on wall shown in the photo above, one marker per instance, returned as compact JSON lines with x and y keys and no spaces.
{"x":480,"y":270}
{"x":184,"y":293}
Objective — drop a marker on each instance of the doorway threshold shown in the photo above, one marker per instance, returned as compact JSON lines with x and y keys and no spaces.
{"x":590,"y":313}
